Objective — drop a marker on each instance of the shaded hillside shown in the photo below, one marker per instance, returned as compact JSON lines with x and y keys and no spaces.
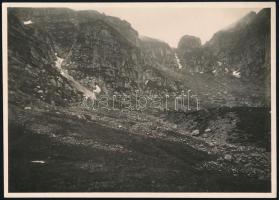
{"x":143,"y":155}
{"x":32,"y":75}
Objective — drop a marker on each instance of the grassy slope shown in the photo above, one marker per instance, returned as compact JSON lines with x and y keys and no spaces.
{"x":82,"y":155}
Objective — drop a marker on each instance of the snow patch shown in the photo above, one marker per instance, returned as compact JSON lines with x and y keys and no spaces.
{"x":38,"y":161}
{"x":236,"y":74}
{"x":27,"y":22}
{"x":58,"y":61}
{"x":97,"y":90}
{"x":177,"y":61}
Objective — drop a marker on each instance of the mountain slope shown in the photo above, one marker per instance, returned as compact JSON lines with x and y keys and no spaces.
{"x":238,"y":56}
{"x":32,"y":75}
{"x":103,"y":50}
{"x":243,"y":47}
{"x":107,"y":51}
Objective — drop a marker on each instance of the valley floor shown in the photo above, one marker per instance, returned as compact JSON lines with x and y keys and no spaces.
{"x":73,"y":150}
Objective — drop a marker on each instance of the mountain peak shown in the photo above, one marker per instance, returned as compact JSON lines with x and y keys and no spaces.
{"x":189,"y":41}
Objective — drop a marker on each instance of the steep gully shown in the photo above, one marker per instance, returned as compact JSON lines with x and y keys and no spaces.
{"x":87,"y":93}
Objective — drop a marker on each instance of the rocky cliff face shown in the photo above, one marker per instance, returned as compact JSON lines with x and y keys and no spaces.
{"x":95,"y":47}
{"x":31,"y":72}
{"x":156,"y":51}
{"x":99,"y":52}
{"x":157,"y":56}
{"x":102,"y":49}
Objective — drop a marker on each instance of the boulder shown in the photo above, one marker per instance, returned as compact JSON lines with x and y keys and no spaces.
{"x":53,"y":82}
{"x":211,"y":144}
{"x":174,"y":126}
{"x":228,"y":157}
{"x":207,"y":130}
{"x":204,"y":135}
{"x":195,"y":132}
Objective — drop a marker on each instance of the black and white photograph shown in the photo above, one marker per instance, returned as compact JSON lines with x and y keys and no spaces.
{"x":139,"y":99}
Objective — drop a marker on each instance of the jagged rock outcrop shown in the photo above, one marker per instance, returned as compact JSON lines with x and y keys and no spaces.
{"x":189,"y":42}
{"x":190,"y":51}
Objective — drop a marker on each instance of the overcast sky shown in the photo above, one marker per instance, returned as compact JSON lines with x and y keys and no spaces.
{"x":170,"y":22}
